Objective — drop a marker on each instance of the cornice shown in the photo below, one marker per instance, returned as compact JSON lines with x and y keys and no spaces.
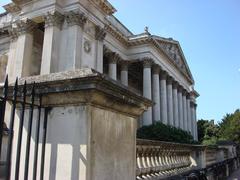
{"x":117,"y":34}
{"x":105,"y":6}
{"x":12,"y":8}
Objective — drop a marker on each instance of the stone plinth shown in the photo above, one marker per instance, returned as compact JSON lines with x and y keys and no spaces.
{"x":91,"y":129}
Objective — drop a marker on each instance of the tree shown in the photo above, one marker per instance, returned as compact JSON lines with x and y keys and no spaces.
{"x":208,"y":132}
{"x":230,"y":127}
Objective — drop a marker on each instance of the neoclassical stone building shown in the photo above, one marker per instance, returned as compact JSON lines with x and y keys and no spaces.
{"x":47,"y":36}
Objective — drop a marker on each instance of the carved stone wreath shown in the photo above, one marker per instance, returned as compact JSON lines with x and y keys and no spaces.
{"x":87,"y":46}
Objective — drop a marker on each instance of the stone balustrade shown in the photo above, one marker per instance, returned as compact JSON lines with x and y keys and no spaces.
{"x":161,"y":159}
{"x":157,"y":160}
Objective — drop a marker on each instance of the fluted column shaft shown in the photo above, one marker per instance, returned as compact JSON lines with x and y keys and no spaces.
{"x":193,"y":119}
{"x":184,"y":111}
{"x":124,"y":73}
{"x":170,"y":101}
{"x":112,"y":66}
{"x":180,"y":108}
{"x":163,"y":97}
{"x":189,"y":123}
{"x":147,"y":91}
{"x":156,"y":94}
{"x":195,"y":123}
{"x":175,"y":105}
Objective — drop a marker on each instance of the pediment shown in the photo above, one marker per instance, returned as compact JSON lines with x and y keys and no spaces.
{"x":175,"y":53}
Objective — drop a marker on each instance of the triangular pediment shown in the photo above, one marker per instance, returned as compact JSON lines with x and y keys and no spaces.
{"x":175,"y":54}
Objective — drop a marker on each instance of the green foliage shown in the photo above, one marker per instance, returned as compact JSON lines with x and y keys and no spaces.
{"x":207,"y":132}
{"x":162,"y":132}
{"x":228,"y":129}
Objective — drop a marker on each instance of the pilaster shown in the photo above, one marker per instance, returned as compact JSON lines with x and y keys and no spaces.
{"x":72,"y":47}
{"x":51,"y":43}
{"x":24,"y":46}
{"x":100,"y":34}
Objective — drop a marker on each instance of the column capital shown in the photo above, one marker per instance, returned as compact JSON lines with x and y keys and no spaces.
{"x":163,"y":75}
{"x":192,"y":104}
{"x":53,"y":19}
{"x":124,"y":65}
{"x":25,"y":26}
{"x":175,"y":84}
{"x":184,"y":92}
{"x":147,"y":62}
{"x":100,"y":33}
{"x":13,"y":33}
{"x":114,"y":58}
{"x":156,"y":69}
{"x":169,"y":80}
{"x":75,"y":18}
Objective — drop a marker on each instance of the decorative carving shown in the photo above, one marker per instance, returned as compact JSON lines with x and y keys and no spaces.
{"x":12,"y":8}
{"x":100,"y":33}
{"x":53,"y":19}
{"x":105,"y":6}
{"x":76,"y":18}
{"x":147,"y":62}
{"x":163,"y":74}
{"x":13,"y":33}
{"x":124,"y":65}
{"x":169,"y":80}
{"x":156,"y":69}
{"x":87,"y":46}
{"x":113,"y":57}
{"x":175,"y":84}
{"x":25,"y":26}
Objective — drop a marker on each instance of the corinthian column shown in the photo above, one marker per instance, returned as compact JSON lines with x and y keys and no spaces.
{"x":112,"y":66}
{"x":195,"y":123}
{"x":180,"y":107}
{"x":175,"y":105}
{"x":170,"y":101}
{"x":147,"y":89}
{"x":156,"y":94}
{"x":51,"y":43}
{"x":189,"y":122}
{"x":71,"y":48}
{"x":184,"y":110}
{"x":124,"y":72}
{"x":163,"y":97}
{"x":23,"y":57}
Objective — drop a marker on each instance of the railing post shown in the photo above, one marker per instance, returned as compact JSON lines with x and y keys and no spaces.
{"x":2,"y":111}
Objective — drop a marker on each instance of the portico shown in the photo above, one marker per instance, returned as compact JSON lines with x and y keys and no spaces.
{"x":74,"y":36}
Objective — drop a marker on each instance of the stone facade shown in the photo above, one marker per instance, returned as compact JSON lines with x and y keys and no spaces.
{"x":43,"y":37}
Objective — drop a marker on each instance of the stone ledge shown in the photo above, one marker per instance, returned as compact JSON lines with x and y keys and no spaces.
{"x":85,"y":86}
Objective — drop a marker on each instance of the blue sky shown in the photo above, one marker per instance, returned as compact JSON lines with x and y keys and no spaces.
{"x":209,"y":33}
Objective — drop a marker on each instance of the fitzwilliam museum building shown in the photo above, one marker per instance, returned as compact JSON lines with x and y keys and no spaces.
{"x":76,"y":85}
{"x":42,"y":37}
